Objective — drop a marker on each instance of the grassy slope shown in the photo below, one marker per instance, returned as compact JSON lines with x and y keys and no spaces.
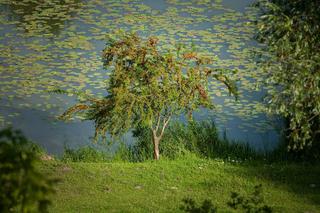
{"x":161,"y":186}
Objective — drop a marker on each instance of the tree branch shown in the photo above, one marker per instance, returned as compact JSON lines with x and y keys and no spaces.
{"x":165,"y":123}
{"x":158,"y":122}
{"x":72,"y":110}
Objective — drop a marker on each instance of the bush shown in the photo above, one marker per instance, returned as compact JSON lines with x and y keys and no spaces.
{"x":23,"y":187}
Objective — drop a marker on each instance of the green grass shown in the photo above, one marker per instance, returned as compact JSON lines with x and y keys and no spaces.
{"x":161,"y":186}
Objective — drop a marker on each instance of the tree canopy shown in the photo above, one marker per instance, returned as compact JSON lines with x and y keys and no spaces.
{"x":148,"y":86}
{"x":291,"y":32}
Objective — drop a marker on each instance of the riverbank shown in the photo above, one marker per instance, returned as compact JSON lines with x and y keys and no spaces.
{"x":161,"y":186}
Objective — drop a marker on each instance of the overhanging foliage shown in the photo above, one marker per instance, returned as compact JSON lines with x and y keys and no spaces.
{"x":291,"y":30}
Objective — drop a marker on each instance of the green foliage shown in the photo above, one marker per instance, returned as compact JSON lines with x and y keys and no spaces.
{"x":291,"y":31}
{"x":123,"y":153}
{"x":183,"y":140}
{"x":84,"y":154}
{"x":191,"y":207}
{"x":203,"y":138}
{"x":180,"y":140}
{"x":148,"y":86}
{"x":199,"y":138}
{"x":250,"y":204}
{"x":23,"y":187}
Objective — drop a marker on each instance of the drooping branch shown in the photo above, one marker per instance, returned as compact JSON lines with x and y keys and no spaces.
{"x":232,"y":88}
{"x":73,"y":110}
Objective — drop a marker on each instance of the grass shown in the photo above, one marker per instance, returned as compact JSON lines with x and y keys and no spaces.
{"x":85,"y":154}
{"x":161,"y":186}
{"x":197,"y":169}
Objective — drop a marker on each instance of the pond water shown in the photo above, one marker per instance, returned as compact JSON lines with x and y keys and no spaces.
{"x":51,"y":44}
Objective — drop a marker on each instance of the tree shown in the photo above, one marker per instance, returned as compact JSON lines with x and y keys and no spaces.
{"x":147,"y":87}
{"x":291,"y":32}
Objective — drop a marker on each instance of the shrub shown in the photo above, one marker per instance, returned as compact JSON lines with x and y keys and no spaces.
{"x":23,"y":187}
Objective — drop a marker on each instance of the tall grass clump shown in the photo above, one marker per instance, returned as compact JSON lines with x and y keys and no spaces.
{"x":200,"y":138}
{"x":85,"y":154}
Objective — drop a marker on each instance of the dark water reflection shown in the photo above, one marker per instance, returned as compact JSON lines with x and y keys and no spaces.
{"x":57,"y":44}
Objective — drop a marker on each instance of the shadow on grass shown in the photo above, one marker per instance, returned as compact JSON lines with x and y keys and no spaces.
{"x":300,"y":179}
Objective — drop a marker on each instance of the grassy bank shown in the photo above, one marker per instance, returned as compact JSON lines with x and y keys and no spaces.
{"x":161,"y":186}
{"x":196,"y":165}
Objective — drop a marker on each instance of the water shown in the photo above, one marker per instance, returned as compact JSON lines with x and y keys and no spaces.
{"x":53,"y":44}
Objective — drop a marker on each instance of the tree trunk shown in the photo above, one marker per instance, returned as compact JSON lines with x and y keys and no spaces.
{"x":156,"y":136}
{"x":156,"y":141}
